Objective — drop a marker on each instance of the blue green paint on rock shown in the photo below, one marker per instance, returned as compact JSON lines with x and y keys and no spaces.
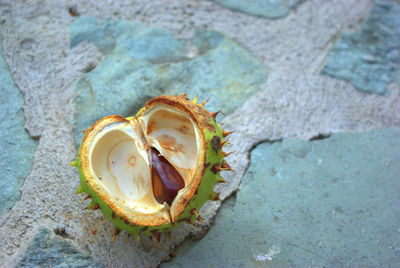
{"x":370,"y":58}
{"x":16,"y":147}
{"x":325,"y":203}
{"x":270,"y":9}
{"x":47,"y":250}
{"x":142,"y":63}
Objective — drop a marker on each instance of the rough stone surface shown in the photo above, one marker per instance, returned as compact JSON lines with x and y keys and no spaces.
{"x":48,"y":250}
{"x":16,"y":147}
{"x":270,"y":9}
{"x":294,"y":101}
{"x":143,"y":63}
{"x":325,"y":203}
{"x":369,"y":58}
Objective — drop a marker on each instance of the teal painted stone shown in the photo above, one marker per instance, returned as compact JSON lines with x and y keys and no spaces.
{"x":142,"y":63}
{"x":370,"y":58}
{"x":16,"y":147}
{"x":325,"y":203}
{"x":270,"y":9}
{"x":128,"y":39}
{"x":47,"y":250}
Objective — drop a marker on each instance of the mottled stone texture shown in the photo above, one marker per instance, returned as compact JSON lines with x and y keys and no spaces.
{"x":294,"y":101}
{"x":325,"y":203}
{"x":370,"y":58}
{"x":270,"y":9}
{"x":142,"y":63}
{"x":47,"y":250}
{"x":16,"y":147}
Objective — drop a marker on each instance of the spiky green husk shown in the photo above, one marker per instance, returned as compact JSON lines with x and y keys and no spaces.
{"x":190,"y":214}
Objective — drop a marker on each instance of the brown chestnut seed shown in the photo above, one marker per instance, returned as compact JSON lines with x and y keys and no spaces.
{"x":166,"y":179}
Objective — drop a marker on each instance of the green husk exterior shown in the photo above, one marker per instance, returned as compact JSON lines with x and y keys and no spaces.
{"x":204,"y":192}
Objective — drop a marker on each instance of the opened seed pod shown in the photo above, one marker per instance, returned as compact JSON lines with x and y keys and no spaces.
{"x":154,"y":171}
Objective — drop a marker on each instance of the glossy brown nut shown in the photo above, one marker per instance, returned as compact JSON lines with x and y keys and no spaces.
{"x":166,"y":179}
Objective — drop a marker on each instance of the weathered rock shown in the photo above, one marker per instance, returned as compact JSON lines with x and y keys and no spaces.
{"x":331,"y":205}
{"x":270,"y":9}
{"x":128,"y":39}
{"x":16,"y":147}
{"x":295,"y":101}
{"x":47,"y":250}
{"x":370,"y":59}
{"x":142,"y":63}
